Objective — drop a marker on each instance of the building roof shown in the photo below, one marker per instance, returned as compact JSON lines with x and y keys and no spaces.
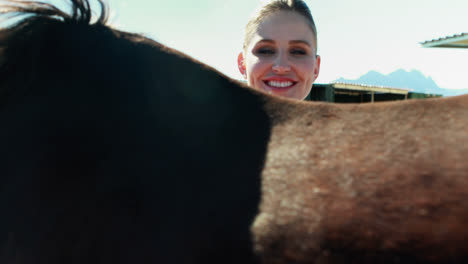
{"x":369,"y":88}
{"x":455,"y":41}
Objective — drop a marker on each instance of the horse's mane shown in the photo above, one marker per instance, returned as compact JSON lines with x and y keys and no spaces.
{"x":36,"y":37}
{"x":23,"y":22}
{"x":80,"y":13}
{"x":32,"y":13}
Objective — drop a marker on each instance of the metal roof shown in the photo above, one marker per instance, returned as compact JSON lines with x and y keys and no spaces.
{"x":369,"y":88}
{"x":455,"y":41}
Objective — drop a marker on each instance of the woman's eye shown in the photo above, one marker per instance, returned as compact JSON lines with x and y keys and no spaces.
{"x":298,"y":52}
{"x":265,"y":51}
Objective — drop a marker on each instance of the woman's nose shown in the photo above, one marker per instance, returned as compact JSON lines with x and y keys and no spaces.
{"x":281,"y":65}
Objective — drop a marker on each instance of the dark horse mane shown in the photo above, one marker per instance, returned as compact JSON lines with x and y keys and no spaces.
{"x":81,"y":11}
{"x":22,"y":41}
{"x":107,"y":135}
{"x":29,"y":40}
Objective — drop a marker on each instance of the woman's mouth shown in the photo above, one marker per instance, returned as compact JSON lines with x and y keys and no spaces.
{"x":279,"y":84}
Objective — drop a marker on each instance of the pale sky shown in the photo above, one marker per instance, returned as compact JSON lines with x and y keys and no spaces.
{"x":354,"y":37}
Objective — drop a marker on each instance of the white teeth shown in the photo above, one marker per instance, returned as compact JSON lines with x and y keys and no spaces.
{"x":279,"y":84}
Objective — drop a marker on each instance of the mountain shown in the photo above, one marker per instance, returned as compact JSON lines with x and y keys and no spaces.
{"x":413,"y":80}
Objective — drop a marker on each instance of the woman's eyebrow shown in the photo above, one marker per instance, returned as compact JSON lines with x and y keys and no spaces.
{"x":300,"y":42}
{"x":270,"y":41}
{"x":266,"y":40}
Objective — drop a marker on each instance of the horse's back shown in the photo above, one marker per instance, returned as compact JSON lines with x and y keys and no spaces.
{"x":375,"y":183}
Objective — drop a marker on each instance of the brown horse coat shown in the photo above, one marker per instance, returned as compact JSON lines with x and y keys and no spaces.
{"x":369,"y":182}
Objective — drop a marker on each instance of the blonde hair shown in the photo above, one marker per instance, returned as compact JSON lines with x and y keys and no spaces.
{"x":297,"y":6}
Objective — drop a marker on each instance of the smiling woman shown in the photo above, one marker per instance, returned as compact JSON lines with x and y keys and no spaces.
{"x":280,"y":50}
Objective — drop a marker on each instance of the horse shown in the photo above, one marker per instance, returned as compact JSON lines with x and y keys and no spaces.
{"x":118,"y":149}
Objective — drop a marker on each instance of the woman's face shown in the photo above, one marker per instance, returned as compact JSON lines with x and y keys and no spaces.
{"x":280,"y":57}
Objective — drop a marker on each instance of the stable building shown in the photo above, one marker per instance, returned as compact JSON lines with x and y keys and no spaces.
{"x":361,"y":93}
{"x":459,"y":41}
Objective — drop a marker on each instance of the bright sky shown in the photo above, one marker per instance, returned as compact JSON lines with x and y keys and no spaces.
{"x":354,"y":37}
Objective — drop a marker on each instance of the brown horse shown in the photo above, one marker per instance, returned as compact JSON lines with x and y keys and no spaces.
{"x":116,"y":149}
